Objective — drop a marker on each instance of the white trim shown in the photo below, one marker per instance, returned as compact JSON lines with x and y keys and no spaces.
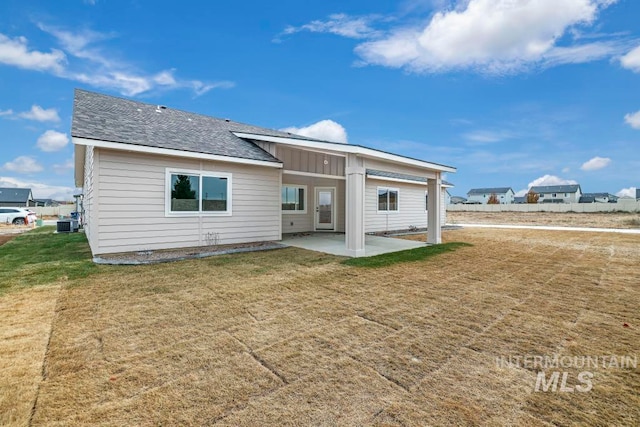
{"x":313,"y":174}
{"x":405,"y":181}
{"x":347,"y":148}
{"x":170,"y":152}
{"x":305,"y":201}
{"x":388,"y":211}
{"x":168,"y":213}
{"x":316,"y":213}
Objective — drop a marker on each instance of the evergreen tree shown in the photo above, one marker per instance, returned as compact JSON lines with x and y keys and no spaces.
{"x":182,"y":189}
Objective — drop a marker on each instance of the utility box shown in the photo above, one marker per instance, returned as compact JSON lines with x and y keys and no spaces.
{"x":67,"y":226}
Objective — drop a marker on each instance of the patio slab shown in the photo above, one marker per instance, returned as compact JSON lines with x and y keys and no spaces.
{"x":334,"y":243}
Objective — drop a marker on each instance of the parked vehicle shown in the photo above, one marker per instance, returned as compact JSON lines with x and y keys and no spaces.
{"x":17,"y":216}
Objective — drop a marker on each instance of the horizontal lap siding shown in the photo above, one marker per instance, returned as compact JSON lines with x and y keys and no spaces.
{"x":132,"y":204}
{"x":306,"y":222}
{"x":411,"y":212}
{"x":90,"y":216}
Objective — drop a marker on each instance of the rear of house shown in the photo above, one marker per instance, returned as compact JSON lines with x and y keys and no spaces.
{"x":504,"y":195}
{"x":558,"y":193}
{"x":157,"y":178}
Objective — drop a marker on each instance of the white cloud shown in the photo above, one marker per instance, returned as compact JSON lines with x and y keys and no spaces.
{"x":63,"y":168}
{"x":355,"y":27}
{"x":52,"y":140}
{"x":327,"y":130}
{"x":23,"y":164}
{"x":633,"y":119}
{"x":39,"y":189}
{"x":632,"y":60}
{"x":16,"y":52}
{"x":627,"y":192}
{"x":487,"y":137}
{"x":8,"y":112}
{"x":40,"y":114}
{"x":551,"y":180}
{"x":596,"y":163}
{"x":492,"y":36}
{"x":521,"y":193}
{"x":566,"y":170}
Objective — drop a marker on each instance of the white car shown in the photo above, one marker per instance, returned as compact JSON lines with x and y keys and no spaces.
{"x":17,"y":216}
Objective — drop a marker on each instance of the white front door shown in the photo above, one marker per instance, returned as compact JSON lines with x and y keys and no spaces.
{"x":325,"y":208}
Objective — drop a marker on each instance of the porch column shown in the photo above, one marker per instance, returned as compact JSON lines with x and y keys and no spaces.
{"x":434,"y":187}
{"x":354,"y":205}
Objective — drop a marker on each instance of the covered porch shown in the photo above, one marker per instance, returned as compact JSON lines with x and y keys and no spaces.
{"x":334,"y":243}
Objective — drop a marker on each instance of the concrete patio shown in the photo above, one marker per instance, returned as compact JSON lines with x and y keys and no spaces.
{"x":334,"y":243}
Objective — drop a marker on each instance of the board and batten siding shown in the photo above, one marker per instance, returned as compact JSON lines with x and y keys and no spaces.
{"x":304,"y":222}
{"x":132,"y":216}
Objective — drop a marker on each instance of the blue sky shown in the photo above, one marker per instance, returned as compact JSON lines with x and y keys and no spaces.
{"x":512,"y":92}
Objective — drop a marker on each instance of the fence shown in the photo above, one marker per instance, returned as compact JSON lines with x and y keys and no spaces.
{"x":621,"y":206}
{"x":64,"y":210}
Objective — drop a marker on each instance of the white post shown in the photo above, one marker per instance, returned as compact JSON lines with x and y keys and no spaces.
{"x":354,"y":206}
{"x":434,"y":233}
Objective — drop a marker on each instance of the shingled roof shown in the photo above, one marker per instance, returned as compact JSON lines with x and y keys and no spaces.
{"x":15,"y":195}
{"x":107,"y":118}
{"x":496,"y":190}
{"x":544,"y":189}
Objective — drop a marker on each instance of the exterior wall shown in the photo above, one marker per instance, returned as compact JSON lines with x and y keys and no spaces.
{"x":89,"y":202}
{"x":130,"y":189}
{"x":444,"y":201}
{"x":504,"y":198}
{"x":621,"y":206}
{"x":412,"y":207}
{"x":15,"y":204}
{"x":310,"y":161}
{"x":569,"y":198}
{"x":392,"y":167}
{"x":299,"y":222}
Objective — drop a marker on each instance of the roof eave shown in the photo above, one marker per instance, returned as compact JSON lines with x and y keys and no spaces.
{"x":348,"y":148}
{"x":121,"y":146}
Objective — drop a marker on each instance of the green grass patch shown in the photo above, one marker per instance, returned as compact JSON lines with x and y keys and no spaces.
{"x":41,"y":257}
{"x":409,"y":255}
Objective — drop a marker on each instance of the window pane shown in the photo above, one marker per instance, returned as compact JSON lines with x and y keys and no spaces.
{"x":214,"y":194}
{"x":393,"y":200}
{"x":292,"y":198}
{"x":184,"y":193}
{"x":382,"y":199}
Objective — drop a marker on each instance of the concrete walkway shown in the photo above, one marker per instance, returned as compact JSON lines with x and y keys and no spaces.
{"x":333,"y":243}
{"x":553,"y":228}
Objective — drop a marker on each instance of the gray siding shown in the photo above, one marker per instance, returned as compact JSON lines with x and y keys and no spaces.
{"x":310,"y":161}
{"x":89,"y":202}
{"x":132,"y":204}
{"x":306,"y":222}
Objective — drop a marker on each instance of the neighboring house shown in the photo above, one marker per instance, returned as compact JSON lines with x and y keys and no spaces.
{"x":558,"y":193}
{"x":46,"y":202}
{"x":519,"y":200}
{"x":504,"y":194}
{"x":637,"y":193}
{"x":18,"y":197}
{"x":158,"y":178}
{"x":598,"y":198}
{"x":455,"y":200}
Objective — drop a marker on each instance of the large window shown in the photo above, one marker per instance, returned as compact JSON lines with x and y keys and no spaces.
{"x":195,"y":192}
{"x":388,"y":199}
{"x":294,"y":198}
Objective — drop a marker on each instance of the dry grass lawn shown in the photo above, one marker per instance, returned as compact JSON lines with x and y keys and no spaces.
{"x":565,"y":219}
{"x":292,"y":337}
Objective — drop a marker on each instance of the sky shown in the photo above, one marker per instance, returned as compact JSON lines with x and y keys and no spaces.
{"x":513,"y":93}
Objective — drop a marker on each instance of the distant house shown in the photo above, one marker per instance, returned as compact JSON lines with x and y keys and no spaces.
{"x":45,"y":202}
{"x":519,"y":200}
{"x":637,"y":193}
{"x":558,"y":193}
{"x":455,"y":200}
{"x":505,"y":195}
{"x":598,"y":198}
{"x":19,"y":197}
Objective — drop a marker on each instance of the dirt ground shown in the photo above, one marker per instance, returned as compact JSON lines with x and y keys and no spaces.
{"x":292,"y":337}
{"x":567,"y":219}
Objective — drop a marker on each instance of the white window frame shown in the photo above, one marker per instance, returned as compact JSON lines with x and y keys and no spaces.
{"x":378,"y":200}
{"x":201,"y":174}
{"x":305,"y":201}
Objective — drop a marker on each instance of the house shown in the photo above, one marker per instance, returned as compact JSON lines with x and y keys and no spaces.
{"x":455,"y":200}
{"x":505,"y":195}
{"x":159,"y":178}
{"x":637,"y":193}
{"x":519,"y":200}
{"x":17,"y":197}
{"x":46,"y":203}
{"x":598,"y":198}
{"x":558,"y":193}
